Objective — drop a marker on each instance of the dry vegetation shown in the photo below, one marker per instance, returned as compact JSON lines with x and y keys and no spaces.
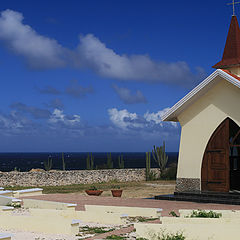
{"x":130,"y":189}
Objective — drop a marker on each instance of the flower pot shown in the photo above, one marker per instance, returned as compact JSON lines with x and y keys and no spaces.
{"x":117,"y":192}
{"x":94,"y":192}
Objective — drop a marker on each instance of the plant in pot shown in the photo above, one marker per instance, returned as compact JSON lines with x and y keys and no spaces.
{"x":116,"y":191}
{"x":93,"y":191}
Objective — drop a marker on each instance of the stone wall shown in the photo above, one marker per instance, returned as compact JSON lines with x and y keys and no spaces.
{"x":188,"y":185}
{"x":57,"y":178}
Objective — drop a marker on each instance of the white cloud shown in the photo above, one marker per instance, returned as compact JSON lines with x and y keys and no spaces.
{"x":42,"y":52}
{"x":15,"y":123}
{"x":10,"y":122}
{"x":149,"y":121}
{"x":123,"y":118}
{"x":59,"y":117}
{"x":94,"y":54}
{"x":127,"y":97}
{"x":157,"y":117}
{"x":39,"y":51}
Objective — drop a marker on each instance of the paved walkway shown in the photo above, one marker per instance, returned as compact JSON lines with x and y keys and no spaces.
{"x":167,"y":206}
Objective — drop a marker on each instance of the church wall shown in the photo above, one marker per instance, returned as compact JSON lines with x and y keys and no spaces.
{"x":198,"y":123}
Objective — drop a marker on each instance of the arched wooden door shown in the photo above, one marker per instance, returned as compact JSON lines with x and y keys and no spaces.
{"x":215,"y":164}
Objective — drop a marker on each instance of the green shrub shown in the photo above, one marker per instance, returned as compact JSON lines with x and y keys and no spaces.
{"x":92,"y":188}
{"x":205,"y":214}
{"x":176,"y":236}
{"x":94,"y":230}
{"x":115,"y":237}
{"x":170,"y":172}
{"x":169,"y":236}
{"x":115,"y":187}
{"x":172,"y":213}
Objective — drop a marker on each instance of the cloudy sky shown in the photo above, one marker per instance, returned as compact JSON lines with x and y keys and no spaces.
{"x":97,"y":75}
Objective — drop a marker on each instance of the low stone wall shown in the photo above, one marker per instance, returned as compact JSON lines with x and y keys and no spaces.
{"x":188,"y":184}
{"x":58,"y":178}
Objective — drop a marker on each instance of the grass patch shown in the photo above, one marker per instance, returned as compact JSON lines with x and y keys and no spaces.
{"x":168,"y":236}
{"x":115,"y":237}
{"x":81,"y":187}
{"x":141,"y":219}
{"x":94,"y":230}
{"x":173,"y":213}
{"x":205,"y":214}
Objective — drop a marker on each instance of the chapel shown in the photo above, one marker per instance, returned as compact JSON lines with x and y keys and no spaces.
{"x":209,"y":115}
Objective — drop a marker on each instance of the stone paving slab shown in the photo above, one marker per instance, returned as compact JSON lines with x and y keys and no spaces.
{"x":167,"y":206}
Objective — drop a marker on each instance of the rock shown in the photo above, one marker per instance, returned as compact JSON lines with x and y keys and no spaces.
{"x":37,"y":170}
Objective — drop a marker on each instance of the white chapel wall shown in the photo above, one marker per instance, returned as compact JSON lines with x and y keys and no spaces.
{"x":200,"y":120}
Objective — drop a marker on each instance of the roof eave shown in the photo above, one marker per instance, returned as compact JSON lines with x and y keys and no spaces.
{"x":181,"y":105}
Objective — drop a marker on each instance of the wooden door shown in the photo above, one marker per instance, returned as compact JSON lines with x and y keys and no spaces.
{"x":215,"y":165}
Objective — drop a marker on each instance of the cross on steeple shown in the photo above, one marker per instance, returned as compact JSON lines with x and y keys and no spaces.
{"x":233,"y":3}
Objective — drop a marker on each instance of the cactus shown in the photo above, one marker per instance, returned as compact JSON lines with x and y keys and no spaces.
{"x":90,"y":162}
{"x":109,"y":161}
{"x":63,"y":162}
{"x":148,"y":165}
{"x":48,"y":164}
{"x":160,"y":157}
{"x":120,"y":162}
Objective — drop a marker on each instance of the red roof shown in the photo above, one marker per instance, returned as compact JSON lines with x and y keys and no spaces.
{"x":231,"y":54}
{"x":231,"y":74}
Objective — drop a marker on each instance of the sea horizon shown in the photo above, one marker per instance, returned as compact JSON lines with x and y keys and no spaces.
{"x":25,"y":161}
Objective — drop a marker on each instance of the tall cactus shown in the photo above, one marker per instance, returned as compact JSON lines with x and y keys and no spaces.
{"x":160,"y":156}
{"x":48,"y":164}
{"x":63,"y":163}
{"x":90,"y":162}
{"x":120,"y":162}
{"x":109,"y":161}
{"x":148,"y":165}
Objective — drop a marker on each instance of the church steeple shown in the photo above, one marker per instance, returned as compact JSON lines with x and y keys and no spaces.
{"x":231,"y":55}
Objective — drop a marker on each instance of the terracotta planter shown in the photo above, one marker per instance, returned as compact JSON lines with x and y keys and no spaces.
{"x":94,"y":192}
{"x":117,"y":192}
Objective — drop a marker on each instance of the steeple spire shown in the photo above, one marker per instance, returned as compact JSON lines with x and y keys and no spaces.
{"x":233,"y":4}
{"x":231,"y":54}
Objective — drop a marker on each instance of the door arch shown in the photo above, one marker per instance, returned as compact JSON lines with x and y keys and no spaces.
{"x":220,"y":166}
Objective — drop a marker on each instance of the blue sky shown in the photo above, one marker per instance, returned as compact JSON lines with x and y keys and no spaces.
{"x":98,"y":75}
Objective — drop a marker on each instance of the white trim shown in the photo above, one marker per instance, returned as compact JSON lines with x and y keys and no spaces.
{"x":181,"y":105}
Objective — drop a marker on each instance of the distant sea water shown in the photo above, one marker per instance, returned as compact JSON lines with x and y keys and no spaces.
{"x":74,"y":160}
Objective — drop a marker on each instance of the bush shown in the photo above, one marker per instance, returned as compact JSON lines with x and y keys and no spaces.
{"x":92,"y":188}
{"x":169,"y":236}
{"x":173,"y":213}
{"x":204,"y":214}
{"x":170,"y":172}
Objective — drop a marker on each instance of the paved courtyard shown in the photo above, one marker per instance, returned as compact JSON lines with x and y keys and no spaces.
{"x":167,"y":206}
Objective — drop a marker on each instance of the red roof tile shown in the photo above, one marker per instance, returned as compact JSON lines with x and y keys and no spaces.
{"x":231,"y":54}
{"x":231,"y":74}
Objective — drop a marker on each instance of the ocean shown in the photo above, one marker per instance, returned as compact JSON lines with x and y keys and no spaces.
{"x":25,"y":161}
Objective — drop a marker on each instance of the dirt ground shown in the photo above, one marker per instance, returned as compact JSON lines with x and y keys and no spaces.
{"x":144,"y":190}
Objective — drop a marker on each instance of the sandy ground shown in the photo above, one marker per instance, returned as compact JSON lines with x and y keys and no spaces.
{"x":18,"y":235}
{"x":144,"y":190}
